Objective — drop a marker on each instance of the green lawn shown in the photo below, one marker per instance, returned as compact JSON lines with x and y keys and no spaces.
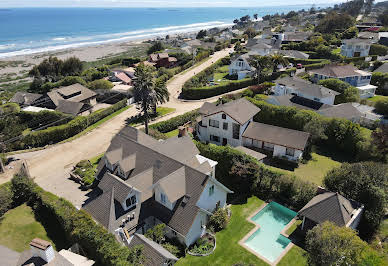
{"x":161,"y":111}
{"x":315,"y":169}
{"x":296,"y":256}
{"x":172,"y":133}
{"x":19,"y":226}
{"x":228,"y":251}
{"x":164,"y":110}
{"x":377,"y":98}
{"x":293,"y":227}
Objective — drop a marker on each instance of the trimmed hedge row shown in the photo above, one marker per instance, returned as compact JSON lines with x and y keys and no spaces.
{"x":254,"y":178}
{"x":175,"y":122}
{"x":341,"y":134}
{"x":75,"y":126}
{"x":207,"y":92}
{"x":76,"y":225}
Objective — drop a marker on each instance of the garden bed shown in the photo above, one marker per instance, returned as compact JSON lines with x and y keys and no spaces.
{"x":204,"y":246}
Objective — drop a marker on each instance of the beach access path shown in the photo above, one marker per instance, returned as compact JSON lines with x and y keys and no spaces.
{"x":50,"y":167}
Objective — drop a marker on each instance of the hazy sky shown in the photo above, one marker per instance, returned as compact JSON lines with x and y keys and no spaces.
{"x":155,"y":3}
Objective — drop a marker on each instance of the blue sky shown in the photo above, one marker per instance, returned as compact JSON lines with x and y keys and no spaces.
{"x":155,"y":3}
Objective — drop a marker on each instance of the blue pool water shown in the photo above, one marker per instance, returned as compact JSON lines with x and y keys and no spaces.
{"x":267,"y":240}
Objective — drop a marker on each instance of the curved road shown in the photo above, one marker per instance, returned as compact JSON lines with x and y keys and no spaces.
{"x":50,"y":167}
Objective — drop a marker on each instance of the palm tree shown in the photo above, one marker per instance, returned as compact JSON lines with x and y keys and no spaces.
{"x":161,"y":93}
{"x":148,"y":92}
{"x":278,"y":59}
{"x":145,"y":96}
{"x":262,"y":65}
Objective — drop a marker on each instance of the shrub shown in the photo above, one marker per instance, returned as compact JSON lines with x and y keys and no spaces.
{"x":86,"y":171}
{"x":156,"y":233}
{"x":378,"y":49}
{"x":210,"y":91}
{"x":100,"y":84}
{"x":6,"y":196}
{"x":130,"y":61}
{"x":381,"y":107}
{"x":174,"y":250}
{"x":219,"y":219}
{"x":175,"y":122}
{"x":379,"y":79}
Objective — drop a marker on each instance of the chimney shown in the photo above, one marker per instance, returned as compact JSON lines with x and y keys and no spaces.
{"x":42,"y":249}
{"x":182,"y":131}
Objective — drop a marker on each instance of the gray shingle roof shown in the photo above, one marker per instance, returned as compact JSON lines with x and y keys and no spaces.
{"x":25,"y":98}
{"x":64,"y":93}
{"x":344,"y":110}
{"x":240,"y":110}
{"x":306,"y":87}
{"x":383,"y":68}
{"x":329,"y":206}
{"x":277,"y":135}
{"x":337,"y":71}
{"x":296,"y":101}
{"x":174,"y":185}
{"x":294,"y":54}
{"x":154,"y":162}
{"x":69,"y":107}
{"x":259,"y":156}
{"x":155,"y":254}
{"x":356,"y":41}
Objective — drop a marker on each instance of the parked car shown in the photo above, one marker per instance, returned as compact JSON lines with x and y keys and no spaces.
{"x":299,"y":66}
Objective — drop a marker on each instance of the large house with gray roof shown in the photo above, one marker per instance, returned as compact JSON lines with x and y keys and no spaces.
{"x":303,"y":88}
{"x":355,"y":47}
{"x":232,"y":124}
{"x":143,"y":182}
{"x":347,"y":73}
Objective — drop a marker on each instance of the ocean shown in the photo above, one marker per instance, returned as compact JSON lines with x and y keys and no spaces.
{"x":32,"y":30}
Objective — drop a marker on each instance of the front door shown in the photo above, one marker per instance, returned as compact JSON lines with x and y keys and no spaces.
{"x":224,"y":141}
{"x":357,"y":54}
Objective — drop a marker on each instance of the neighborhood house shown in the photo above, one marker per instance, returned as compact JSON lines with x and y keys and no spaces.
{"x":240,"y":66}
{"x":144,"y":182}
{"x":355,"y":47}
{"x":348,"y":73}
{"x":232,"y":123}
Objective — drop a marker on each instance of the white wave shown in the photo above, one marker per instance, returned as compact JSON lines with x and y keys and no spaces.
{"x":59,"y":39}
{"x":117,"y":37}
{"x":7,"y":46}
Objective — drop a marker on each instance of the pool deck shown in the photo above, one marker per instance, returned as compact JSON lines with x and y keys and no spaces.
{"x":257,"y":226}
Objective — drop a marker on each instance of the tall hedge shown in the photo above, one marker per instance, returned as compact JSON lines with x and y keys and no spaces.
{"x":342,"y":134}
{"x":58,"y":133}
{"x":211,"y":91}
{"x":77,"y":225}
{"x":175,"y":122}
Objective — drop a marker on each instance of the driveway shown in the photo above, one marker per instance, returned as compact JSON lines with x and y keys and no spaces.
{"x":50,"y":167}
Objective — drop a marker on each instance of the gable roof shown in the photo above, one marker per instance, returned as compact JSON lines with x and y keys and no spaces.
{"x":329,"y":206}
{"x":296,"y":101}
{"x":344,"y":110}
{"x":81,"y":93}
{"x":154,"y":164}
{"x":277,"y":135}
{"x":25,"y":98}
{"x":294,"y":54}
{"x":240,"y":110}
{"x":155,"y":254}
{"x":383,"y":68}
{"x":356,"y":41}
{"x":337,"y":71}
{"x":69,"y":107}
{"x":123,"y":77}
{"x":306,"y":87}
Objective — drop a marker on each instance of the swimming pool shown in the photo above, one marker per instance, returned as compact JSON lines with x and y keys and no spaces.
{"x":267,"y":240}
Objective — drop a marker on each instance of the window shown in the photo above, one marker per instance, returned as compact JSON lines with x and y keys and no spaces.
{"x":223,"y":116}
{"x":163,"y":198}
{"x":268,"y":146}
{"x":215,"y":138}
{"x":225,"y":126}
{"x":214,"y":123}
{"x":131,"y":201}
{"x":236,"y":131}
{"x":317,"y":99}
{"x":211,"y":190}
{"x":290,"y":152}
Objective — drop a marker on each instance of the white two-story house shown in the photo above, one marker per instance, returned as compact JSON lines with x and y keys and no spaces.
{"x":347,"y":73}
{"x":355,"y":47}
{"x":232,"y":124}
{"x":240,"y":66}
{"x":304,"y":88}
{"x":144,"y":182}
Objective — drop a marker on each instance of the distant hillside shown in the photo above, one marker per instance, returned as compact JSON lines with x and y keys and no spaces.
{"x":381,"y":4}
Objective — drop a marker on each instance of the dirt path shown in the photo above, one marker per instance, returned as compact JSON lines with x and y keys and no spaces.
{"x":50,"y":167}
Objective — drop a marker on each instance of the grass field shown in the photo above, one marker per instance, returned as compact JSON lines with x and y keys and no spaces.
{"x":19,"y":226}
{"x":172,"y":133}
{"x":377,"y":98}
{"x":316,"y":168}
{"x":229,"y":252}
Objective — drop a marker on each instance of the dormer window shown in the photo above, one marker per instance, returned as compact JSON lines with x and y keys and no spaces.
{"x":131,"y":201}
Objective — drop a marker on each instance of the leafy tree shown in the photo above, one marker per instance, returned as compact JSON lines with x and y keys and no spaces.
{"x":350,"y":95}
{"x":351,"y":32}
{"x":219,"y":219}
{"x":384,"y":18}
{"x":156,"y":233}
{"x":334,"y":22}
{"x":378,"y":49}
{"x":70,"y":80}
{"x":6,"y":196}
{"x":379,"y":79}
{"x":100,"y":84}
{"x":352,"y":7}
{"x":365,"y":182}
{"x":201,"y":34}
{"x":161,"y":92}
{"x":316,"y":128}
{"x":328,"y":244}
{"x":155,"y":47}
{"x":263,"y":66}
{"x":278,"y":59}
{"x":49,"y":69}
{"x":381,"y":107}
{"x":250,"y":32}
{"x":72,"y":66}
{"x":380,"y":140}
{"x":348,"y":92}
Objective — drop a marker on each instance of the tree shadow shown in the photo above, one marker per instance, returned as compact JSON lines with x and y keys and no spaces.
{"x":332,"y":154}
